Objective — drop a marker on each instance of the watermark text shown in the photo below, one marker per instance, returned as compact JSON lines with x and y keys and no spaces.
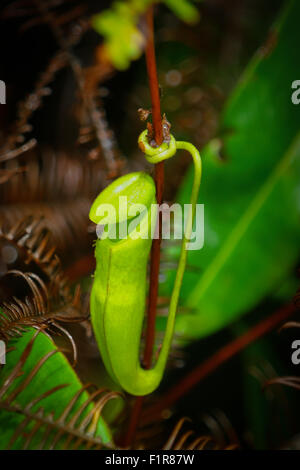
{"x":136,"y":221}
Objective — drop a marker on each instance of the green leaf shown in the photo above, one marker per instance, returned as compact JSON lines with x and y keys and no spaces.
{"x":55,"y":372}
{"x":184,"y":9}
{"x":123,"y":41}
{"x":251,"y":199}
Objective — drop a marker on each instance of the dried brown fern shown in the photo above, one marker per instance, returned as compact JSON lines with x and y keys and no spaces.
{"x":289,"y":381}
{"x":187,"y":440}
{"x":57,"y":187}
{"x":218,"y":433}
{"x":33,"y":101}
{"x":60,"y":189}
{"x":67,"y":222}
{"x":11,"y":148}
{"x":50,"y":300}
{"x":38,"y":310}
{"x":54,"y":176}
{"x":91,"y":115}
{"x":33,"y":242}
{"x":25,"y":110}
{"x":180,"y":438}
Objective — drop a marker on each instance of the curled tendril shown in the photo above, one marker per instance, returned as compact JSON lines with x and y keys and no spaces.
{"x":157,"y":154}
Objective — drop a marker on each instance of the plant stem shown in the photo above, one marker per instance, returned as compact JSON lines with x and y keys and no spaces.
{"x":155,"y":251}
{"x":213,"y":362}
{"x":159,"y":182}
{"x":153,"y":80}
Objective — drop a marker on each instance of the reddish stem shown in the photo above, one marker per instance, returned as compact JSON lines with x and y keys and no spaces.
{"x":155,"y":251}
{"x":154,"y":272}
{"x":159,"y":181}
{"x":221,"y":356}
{"x":153,"y":80}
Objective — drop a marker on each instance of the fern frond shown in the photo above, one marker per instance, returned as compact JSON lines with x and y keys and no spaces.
{"x":33,"y":241}
{"x":37,"y":311}
{"x":187,"y":440}
{"x":293,"y":382}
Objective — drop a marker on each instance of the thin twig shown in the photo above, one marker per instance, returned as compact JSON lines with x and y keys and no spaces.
{"x":10,"y":155}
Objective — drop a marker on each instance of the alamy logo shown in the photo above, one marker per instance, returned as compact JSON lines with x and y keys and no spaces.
{"x":2,"y":352}
{"x":296,"y":354}
{"x":2,"y":92}
{"x":296,"y":94}
{"x":176,"y":222}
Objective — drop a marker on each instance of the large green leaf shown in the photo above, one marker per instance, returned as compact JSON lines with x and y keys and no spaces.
{"x":53,"y":373}
{"x":252,"y":229}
